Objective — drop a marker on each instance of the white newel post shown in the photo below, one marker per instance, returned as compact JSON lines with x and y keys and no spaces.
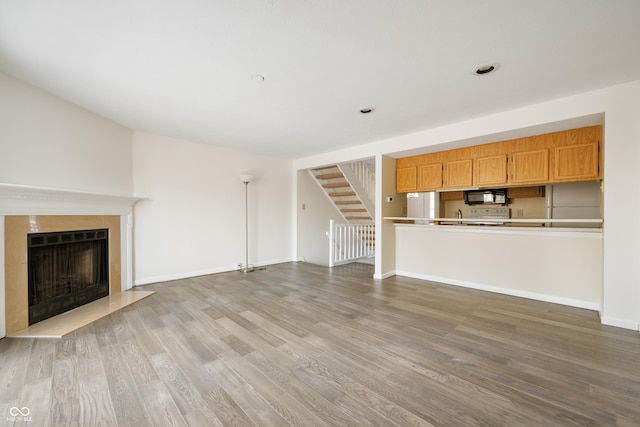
{"x":331,"y":243}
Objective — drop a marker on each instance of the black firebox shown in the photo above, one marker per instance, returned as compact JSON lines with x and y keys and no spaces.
{"x":66,"y":270}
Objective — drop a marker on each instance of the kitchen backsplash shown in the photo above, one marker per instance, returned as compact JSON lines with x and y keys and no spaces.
{"x":533,"y":207}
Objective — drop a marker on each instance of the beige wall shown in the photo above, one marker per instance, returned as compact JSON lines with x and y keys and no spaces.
{"x":385,"y":232}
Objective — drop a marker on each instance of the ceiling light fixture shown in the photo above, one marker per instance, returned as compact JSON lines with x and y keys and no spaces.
{"x":485,"y":69}
{"x":367,"y":110}
{"x":257,"y":78}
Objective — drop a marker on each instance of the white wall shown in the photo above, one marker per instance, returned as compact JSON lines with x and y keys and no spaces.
{"x":48,"y":142}
{"x":313,"y":220}
{"x":194,"y":220}
{"x":619,"y":108}
{"x":563,"y":267}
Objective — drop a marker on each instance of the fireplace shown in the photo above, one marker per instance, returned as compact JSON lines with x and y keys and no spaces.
{"x":19,"y":229}
{"x":66,"y":270}
{"x":26,"y":211}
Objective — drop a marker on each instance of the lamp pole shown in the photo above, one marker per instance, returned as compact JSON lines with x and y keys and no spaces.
{"x":246,"y":179}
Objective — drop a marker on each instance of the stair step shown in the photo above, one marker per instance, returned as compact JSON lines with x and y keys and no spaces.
{"x":359,"y":218}
{"x":342,"y":194}
{"x":336,"y":185}
{"x":353,"y":210}
{"x":330,"y":175}
{"x":322,"y":168}
{"x":347,"y":202}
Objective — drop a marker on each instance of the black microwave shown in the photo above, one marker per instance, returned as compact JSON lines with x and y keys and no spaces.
{"x":486,"y":197}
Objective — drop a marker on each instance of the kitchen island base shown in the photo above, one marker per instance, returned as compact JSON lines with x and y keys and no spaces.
{"x":562,"y":266}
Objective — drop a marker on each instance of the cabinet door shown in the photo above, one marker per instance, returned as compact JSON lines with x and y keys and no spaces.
{"x":430,"y":177}
{"x":491,"y":170}
{"x":451,"y":195}
{"x":459,"y":173}
{"x":576,"y":162}
{"x":406,"y":179}
{"x":576,"y":154}
{"x":525,"y":192}
{"x":530,"y":167}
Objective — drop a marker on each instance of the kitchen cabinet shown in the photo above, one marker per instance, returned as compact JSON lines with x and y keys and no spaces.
{"x":406,"y":179}
{"x":491,"y":164}
{"x":576,"y":154}
{"x":566,"y":156}
{"x":407,"y":174}
{"x":529,"y":160}
{"x":458,"y":168}
{"x":430,"y":168}
{"x":525,"y":192}
{"x":451,"y":195}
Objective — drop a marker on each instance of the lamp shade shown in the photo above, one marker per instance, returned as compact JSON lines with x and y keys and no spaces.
{"x":245,"y":177}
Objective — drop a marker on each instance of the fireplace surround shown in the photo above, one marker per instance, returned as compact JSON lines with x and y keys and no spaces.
{"x":17,"y":230}
{"x":26,"y":210}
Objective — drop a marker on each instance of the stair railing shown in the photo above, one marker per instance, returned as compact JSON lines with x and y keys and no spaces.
{"x":366,"y":177}
{"x":365,"y":191}
{"x":350,"y":242}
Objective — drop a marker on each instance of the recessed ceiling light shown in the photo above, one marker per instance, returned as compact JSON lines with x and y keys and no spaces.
{"x":257,"y":78}
{"x":486,"y":69}
{"x":367,"y":110}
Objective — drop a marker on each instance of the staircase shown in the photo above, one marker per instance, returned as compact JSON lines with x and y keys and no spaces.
{"x":350,"y":187}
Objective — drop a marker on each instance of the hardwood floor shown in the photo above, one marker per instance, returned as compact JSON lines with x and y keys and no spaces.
{"x":303,"y":345}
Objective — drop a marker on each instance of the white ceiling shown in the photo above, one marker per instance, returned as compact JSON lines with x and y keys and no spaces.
{"x":184,"y":68}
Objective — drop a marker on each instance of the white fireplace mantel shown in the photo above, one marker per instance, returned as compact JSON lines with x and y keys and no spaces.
{"x":28,"y":200}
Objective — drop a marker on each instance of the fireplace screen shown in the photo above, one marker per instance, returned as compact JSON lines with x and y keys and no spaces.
{"x":66,"y":270}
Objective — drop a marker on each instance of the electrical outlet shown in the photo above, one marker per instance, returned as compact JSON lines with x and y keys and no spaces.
{"x":520,"y":212}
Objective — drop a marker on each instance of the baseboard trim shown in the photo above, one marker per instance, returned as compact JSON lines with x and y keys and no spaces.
{"x":179,"y":276}
{"x":506,"y":291}
{"x":634,"y":325}
{"x":384,"y":275}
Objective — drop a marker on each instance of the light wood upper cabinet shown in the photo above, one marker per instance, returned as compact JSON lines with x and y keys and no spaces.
{"x":530,"y":166}
{"x":529,"y":160}
{"x":430,"y":177}
{"x":573,"y":155}
{"x":576,"y":154}
{"x":576,"y":162}
{"x":491,"y":164}
{"x":407,"y":174}
{"x":406,"y":179}
{"x":430,"y":168}
{"x":458,"y":168}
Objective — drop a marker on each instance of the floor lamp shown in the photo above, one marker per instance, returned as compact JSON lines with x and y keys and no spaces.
{"x":246,"y":179}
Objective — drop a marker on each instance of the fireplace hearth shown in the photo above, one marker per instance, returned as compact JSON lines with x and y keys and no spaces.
{"x":66,"y":270}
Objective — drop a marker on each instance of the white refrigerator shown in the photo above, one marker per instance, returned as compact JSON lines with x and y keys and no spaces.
{"x":577,"y":200}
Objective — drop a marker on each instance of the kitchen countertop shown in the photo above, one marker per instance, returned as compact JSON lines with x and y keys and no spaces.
{"x":528,"y":223}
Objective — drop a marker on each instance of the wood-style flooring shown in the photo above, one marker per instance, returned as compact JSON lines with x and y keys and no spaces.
{"x":304,"y":345}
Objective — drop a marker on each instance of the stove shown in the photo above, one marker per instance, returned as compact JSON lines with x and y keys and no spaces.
{"x":493,"y":216}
